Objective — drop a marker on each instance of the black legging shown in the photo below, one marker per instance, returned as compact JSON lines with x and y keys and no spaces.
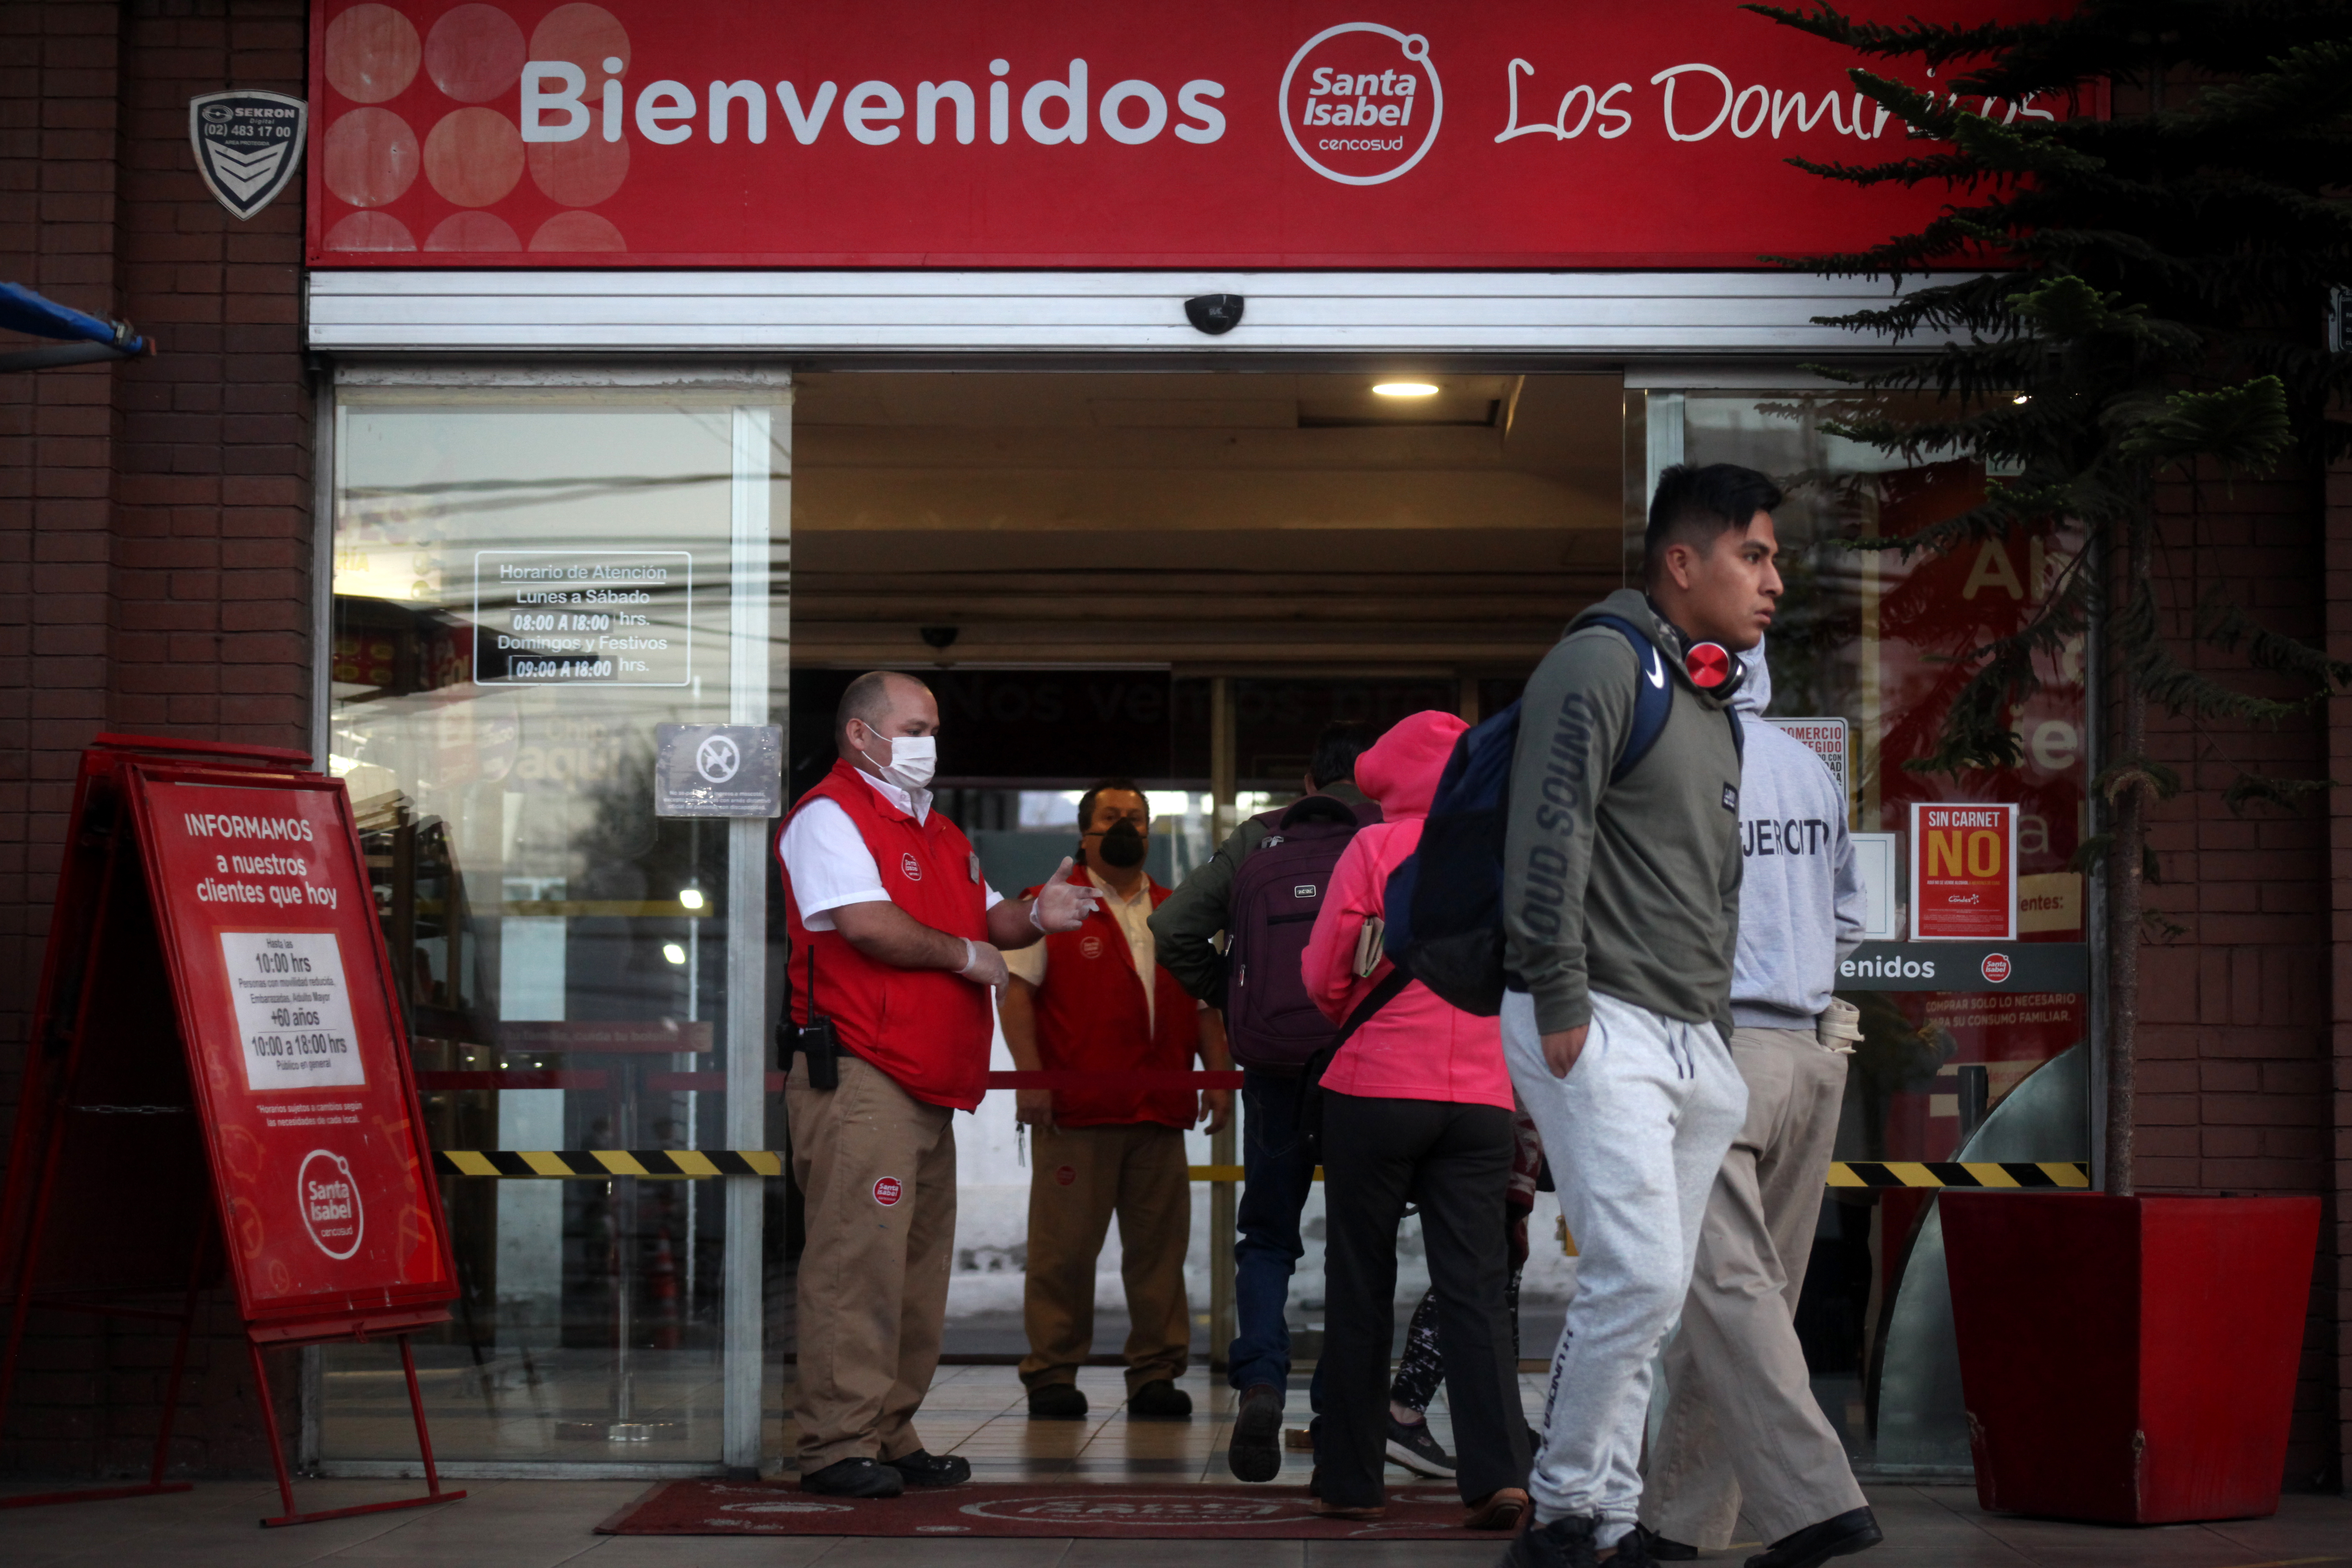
{"x":1455,"y":1161}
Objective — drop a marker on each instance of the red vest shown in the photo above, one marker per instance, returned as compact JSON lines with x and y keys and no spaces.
{"x":930,"y":1029}
{"x":1090,"y":1018}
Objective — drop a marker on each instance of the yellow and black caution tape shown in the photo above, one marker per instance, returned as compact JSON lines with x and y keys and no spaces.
{"x":2031,"y":1176}
{"x":600,"y":1163}
{"x":2026,"y":1175}
{"x":2015,"y":1175}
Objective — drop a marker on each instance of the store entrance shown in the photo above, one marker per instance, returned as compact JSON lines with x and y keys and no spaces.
{"x":1175,"y":578}
{"x":1099,"y":574}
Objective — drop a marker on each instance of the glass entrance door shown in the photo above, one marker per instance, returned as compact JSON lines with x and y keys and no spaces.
{"x":526,"y":584}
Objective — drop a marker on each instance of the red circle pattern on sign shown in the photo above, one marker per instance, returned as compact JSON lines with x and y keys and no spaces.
{"x":887,"y":1191}
{"x":472,"y":157}
{"x":1707,"y":664}
{"x":1995,"y":967}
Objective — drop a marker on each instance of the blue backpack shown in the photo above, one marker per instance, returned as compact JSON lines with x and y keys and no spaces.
{"x":1445,"y":904}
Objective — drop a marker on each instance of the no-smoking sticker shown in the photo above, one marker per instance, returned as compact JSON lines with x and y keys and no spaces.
{"x":887,"y":1191}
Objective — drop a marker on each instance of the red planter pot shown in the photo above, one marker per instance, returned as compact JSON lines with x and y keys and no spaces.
{"x":2129,"y":1361}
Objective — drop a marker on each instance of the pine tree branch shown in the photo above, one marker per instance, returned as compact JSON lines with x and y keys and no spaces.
{"x":2228,"y":626}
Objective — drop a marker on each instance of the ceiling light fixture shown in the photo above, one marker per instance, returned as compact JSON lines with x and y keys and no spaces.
{"x":1404,"y":389}
{"x":674,"y":952}
{"x":2022,"y":397}
{"x":691,"y":898}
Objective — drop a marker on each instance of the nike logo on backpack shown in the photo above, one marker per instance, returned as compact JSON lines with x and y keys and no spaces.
{"x":1657,"y":670}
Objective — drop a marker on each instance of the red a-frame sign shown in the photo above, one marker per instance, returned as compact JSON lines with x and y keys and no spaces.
{"x":218,"y":1074}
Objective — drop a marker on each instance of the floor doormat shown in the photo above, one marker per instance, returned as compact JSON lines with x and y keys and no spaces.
{"x":1049,"y":1510}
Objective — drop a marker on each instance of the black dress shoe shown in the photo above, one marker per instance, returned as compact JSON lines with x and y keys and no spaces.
{"x":1662,"y":1549}
{"x":1634,"y":1550}
{"x":921,"y":1469}
{"x":1254,"y":1453}
{"x":1160,"y":1399}
{"x":1855,"y":1530}
{"x":853,"y":1478}
{"x":1057,"y":1402}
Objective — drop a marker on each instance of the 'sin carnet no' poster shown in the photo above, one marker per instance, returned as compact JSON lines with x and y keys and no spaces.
{"x":1963,"y":872}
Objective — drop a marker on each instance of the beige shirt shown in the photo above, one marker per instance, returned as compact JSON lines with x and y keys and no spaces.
{"x":1134,"y":918}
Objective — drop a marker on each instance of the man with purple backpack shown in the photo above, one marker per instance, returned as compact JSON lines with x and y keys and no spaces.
{"x":1263,"y":889}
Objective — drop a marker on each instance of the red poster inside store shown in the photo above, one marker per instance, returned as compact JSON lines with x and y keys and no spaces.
{"x":1964,"y":873}
{"x":296,"y":1053}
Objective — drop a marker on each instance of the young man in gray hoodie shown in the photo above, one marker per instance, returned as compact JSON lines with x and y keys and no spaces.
{"x":1742,"y":1429}
{"x":1621,"y":902}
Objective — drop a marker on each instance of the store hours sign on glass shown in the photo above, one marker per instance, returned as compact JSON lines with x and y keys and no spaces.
{"x":842,"y":134}
{"x":575,"y":618}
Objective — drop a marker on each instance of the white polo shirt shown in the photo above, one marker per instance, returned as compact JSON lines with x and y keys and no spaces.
{"x":827,"y":861}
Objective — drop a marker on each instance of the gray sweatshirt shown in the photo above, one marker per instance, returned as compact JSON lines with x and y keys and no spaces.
{"x":1800,"y":898}
{"x":1632,"y":889}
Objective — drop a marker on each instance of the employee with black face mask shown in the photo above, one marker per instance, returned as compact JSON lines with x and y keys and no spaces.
{"x":1095,"y":1001}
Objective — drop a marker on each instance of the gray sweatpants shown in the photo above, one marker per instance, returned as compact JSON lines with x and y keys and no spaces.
{"x":1635,"y":1134}
{"x":1742,"y":1428}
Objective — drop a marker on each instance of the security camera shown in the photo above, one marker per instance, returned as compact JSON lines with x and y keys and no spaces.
{"x":940,"y":638}
{"x":1215,"y":314}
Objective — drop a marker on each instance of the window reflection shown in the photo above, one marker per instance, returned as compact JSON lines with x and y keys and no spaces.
{"x":1884,"y":641}
{"x":524,"y":587}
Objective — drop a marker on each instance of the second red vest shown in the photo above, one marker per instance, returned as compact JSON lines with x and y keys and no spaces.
{"x":1091,"y":1018}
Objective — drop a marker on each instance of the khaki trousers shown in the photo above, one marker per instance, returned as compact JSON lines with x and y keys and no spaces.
{"x":1742,"y":1429}
{"x":1079,"y":1177}
{"x":876,"y":1168}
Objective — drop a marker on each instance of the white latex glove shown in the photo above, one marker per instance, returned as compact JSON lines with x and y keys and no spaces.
{"x":982,"y":964}
{"x":1061,"y":905}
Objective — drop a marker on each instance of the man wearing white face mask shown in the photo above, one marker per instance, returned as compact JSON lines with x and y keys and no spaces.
{"x":897,"y":944}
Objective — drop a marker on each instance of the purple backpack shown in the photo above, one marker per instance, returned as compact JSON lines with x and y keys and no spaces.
{"x":1273,"y":1024}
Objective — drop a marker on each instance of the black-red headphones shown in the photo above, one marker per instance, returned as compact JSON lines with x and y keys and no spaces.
{"x":1711,"y":667}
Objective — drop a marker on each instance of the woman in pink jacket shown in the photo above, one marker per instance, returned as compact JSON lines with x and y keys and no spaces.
{"x":1416,"y":1110}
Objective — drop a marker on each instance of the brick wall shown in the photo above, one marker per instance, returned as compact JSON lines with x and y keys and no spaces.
{"x":2235,"y":1049}
{"x":154,"y":549}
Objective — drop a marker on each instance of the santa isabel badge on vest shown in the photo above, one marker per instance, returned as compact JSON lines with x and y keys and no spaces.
{"x":971,"y":866}
{"x":1092,"y":947}
{"x":909,"y":868}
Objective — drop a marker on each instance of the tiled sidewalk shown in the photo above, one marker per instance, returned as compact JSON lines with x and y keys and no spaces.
{"x":979,"y":1412}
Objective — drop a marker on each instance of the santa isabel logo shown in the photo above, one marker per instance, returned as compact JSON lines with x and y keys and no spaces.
{"x":1361,"y":103}
{"x":330,"y":1201}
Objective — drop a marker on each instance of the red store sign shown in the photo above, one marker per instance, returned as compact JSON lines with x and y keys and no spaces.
{"x":1428,"y":133}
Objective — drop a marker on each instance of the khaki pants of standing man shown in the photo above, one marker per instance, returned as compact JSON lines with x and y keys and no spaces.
{"x":1080,"y":1176}
{"x":878,"y":1170}
{"x":1742,"y":1430}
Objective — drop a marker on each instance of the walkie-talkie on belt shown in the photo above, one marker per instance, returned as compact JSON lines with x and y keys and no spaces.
{"x":815,"y":1038}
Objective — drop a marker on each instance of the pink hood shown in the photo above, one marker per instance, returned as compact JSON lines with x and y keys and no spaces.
{"x":1416,"y":1047}
{"x":1402,"y":769}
